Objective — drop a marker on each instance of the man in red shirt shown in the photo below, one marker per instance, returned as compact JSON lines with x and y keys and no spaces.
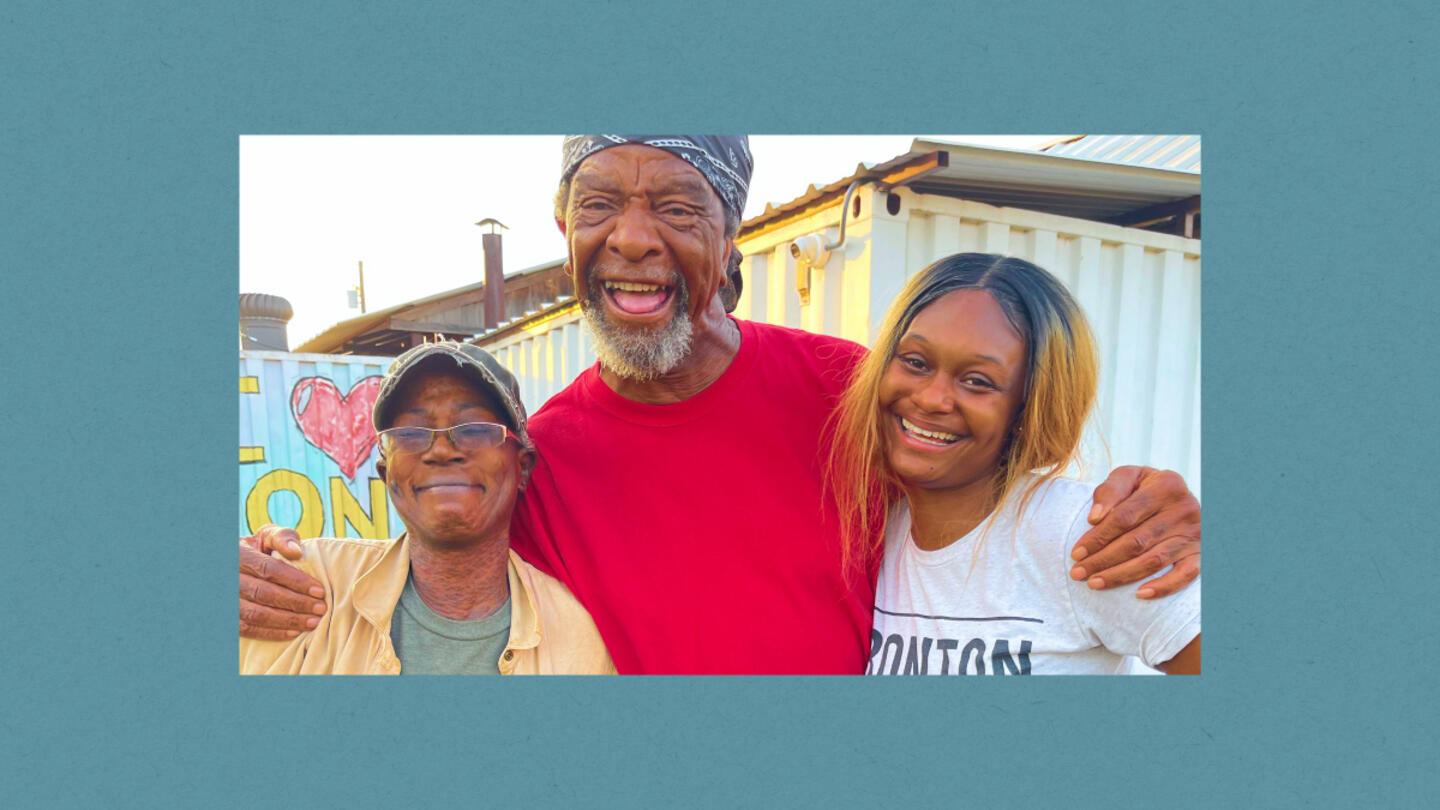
{"x":678,"y":490}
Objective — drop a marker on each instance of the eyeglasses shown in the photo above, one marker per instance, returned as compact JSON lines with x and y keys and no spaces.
{"x":466,"y":438}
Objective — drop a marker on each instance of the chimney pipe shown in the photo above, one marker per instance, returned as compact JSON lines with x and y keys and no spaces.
{"x":494,"y":280}
{"x":494,"y":273}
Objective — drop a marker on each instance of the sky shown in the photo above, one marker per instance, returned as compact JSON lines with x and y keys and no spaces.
{"x":313,"y":207}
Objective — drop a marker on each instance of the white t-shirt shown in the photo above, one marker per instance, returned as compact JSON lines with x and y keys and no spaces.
{"x":1017,"y":612}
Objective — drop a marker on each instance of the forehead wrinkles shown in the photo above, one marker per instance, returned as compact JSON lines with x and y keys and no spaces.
{"x":662,"y":173}
{"x":592,"y":178}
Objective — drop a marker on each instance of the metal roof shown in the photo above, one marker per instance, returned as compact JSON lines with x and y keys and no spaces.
{"x":391,"y":324}
{"x":1162,"y":151}
{"x":1054,"y":183}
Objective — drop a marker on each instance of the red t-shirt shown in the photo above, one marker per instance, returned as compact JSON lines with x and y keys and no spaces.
{"x":696,"y":533}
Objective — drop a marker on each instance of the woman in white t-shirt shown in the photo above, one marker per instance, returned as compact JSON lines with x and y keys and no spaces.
{"x":954,"y":432}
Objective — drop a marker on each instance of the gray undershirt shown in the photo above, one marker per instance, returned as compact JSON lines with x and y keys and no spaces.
{"x":430,"y":644}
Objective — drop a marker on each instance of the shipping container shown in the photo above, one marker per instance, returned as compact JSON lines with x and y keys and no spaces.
{"x":307,"y":447}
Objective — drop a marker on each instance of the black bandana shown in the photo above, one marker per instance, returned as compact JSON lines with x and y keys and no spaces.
{"x":723,"y":159}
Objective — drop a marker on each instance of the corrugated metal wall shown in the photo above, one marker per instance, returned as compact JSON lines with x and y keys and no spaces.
{"x":307,"y":451}
{"x":547,"y":358}
{"x":1141,"y":291}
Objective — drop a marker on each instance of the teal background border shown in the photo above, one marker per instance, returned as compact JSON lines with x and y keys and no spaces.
{"x":120,"y":127}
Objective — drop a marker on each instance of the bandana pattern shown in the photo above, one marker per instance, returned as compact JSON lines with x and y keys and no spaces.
{"x":724,"y":160}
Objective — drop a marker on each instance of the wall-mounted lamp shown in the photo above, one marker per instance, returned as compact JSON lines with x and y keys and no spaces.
{"x":810,"y":251}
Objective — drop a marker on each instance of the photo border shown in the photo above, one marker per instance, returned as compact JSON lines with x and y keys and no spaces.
{"x":122,"y":146}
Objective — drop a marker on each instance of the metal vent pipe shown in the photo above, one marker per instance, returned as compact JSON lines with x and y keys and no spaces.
{"x":262,"y":322}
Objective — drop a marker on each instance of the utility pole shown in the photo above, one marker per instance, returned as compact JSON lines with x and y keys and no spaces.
{"x":361,"y":288}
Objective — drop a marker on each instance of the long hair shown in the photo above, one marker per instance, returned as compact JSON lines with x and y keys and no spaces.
{"x":1061,"y":378}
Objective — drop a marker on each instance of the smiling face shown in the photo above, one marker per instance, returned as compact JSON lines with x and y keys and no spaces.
{"x":446,"y":496}
{"x":648,"y":253}
{"x":950,"y":395}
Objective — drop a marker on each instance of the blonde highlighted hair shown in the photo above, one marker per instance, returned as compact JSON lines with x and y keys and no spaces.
{"x":1061,"y":378}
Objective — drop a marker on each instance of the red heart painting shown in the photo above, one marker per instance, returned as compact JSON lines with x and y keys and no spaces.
{"x":338,"y":425}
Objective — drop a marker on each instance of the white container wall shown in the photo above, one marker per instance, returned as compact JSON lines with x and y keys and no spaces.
{"x":1140,"y":289}
{"x":547,"y":356}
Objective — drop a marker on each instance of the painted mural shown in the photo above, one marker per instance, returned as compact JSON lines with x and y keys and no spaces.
{"x":307,"y":448}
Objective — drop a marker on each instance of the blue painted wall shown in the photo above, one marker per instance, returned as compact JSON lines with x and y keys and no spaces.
{"x":307,"y":450}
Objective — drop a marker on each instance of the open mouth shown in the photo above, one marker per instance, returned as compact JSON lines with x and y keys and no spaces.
{"x":932,"y":438}
{"x":637,"y":298}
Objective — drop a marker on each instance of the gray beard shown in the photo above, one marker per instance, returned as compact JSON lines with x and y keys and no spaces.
{"x":639,"y":354}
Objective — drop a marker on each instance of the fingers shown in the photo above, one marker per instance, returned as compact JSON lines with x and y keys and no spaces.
{"x":282,"y":574}
{"x":1161,"y":504}
{"x":1126,"y":531}
{"x":1112,"y":542}
{"x":278,"y":538}
{"x":1154,"y":560}
{"x":1152,"y":528}
{"x":1117,"y":486}
{"x":259,"y":615}
{"x":266,"y":634}
{"x":258,"y":620}
{"x":256,"y":590}
{"x":1186,"y":570}
{"x":277,"y":600}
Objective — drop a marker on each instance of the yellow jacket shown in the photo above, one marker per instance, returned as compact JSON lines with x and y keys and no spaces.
{"x":550,"y":632}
